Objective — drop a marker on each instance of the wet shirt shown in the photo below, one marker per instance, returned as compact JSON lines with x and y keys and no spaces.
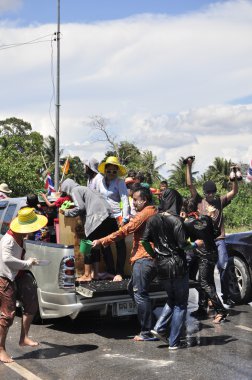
{"x":115,"y":194}
{"x":135,"y":226}
{"x":166,"y":232}
{"x":201,"y":227}
{"x":11,"y":257}
{"x":217,"y":216}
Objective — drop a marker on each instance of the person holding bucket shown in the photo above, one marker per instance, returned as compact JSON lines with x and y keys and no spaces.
{"x":115,"y":191}
{"x":143,"y":265}
{"x":15,"y":281}
{"x":95,"y":213}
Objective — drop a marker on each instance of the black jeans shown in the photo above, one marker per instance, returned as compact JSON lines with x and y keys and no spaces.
{"x":207,"y":288}
{"x":107,"y":227}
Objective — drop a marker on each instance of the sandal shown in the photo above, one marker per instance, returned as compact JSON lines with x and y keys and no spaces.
{"x":141,"y":338}
{"x":219,"y":318}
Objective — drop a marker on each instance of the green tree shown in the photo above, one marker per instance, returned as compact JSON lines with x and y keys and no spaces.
{"x":219,"y":171}
{"x":177,"y":179}
{"x":127,"y":153}
{"x":76,"y":169}
{"x":14,"y":127}
{"x":149,"y":167}
{"x":20,"y":157}
{"x":238,"y":213}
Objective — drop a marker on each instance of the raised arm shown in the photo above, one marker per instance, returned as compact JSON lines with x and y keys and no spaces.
{"x":234,"y":190}
{"x":189,"y":180}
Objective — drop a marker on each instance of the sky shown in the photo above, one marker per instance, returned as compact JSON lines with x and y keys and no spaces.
{"x":174,"y":77}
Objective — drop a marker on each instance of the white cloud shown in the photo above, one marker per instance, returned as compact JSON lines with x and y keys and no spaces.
{"x":164,"y":82}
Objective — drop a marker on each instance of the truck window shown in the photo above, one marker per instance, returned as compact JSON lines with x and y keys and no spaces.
{"x":3,"y":206}
{"x":8,"y":217}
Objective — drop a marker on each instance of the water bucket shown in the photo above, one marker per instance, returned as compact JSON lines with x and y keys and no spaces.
{"x":85,"y":246}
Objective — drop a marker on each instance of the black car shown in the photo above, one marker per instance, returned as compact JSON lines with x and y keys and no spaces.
{"x":239,"y":246}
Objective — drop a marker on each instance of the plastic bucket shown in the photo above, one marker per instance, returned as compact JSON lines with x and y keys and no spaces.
{"x":85,"y":246}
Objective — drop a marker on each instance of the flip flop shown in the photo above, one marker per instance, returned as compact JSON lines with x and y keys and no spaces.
{"x":139,"y":338}
{"x":219,"y":318}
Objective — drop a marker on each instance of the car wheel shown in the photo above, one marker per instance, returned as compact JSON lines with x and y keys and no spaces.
{"x":239,"y":280}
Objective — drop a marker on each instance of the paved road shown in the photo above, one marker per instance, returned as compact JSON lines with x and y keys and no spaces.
{"x":95,"y":348}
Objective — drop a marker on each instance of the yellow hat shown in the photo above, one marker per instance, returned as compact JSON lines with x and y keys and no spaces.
{"x":112,"y":160}
{"x":28,"y":221}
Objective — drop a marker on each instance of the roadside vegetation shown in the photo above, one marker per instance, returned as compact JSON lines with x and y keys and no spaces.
{"x":26,"y":157}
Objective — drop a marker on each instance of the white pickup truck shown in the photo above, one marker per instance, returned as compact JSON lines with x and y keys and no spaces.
{"x":58,"y":294}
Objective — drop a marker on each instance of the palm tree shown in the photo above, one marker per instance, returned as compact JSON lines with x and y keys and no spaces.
{"x":149,"y":167}
{"x":177,"y":178}
{"x":219,"y":171}
{"x":48,"y":151}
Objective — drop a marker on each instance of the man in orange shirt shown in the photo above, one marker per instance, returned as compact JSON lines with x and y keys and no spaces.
{"x":143,"y":265}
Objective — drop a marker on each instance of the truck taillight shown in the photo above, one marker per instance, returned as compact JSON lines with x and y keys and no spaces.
{"x":69,"y":262}
{"x":67,"y":273}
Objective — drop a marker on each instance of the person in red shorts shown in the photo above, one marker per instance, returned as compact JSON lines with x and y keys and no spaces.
{"x":15,"y":281}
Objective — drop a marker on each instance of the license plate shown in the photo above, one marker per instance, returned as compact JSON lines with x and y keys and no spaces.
{"x":124,"y":308}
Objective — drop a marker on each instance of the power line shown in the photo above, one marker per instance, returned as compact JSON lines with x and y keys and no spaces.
{"x":31,"y":42}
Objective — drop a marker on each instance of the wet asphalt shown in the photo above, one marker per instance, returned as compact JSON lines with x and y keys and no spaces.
{"x":101,"y":348}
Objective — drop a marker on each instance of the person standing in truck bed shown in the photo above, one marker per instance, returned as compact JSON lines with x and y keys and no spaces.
{"x":95,"y":213}
{"x":114,"y":190}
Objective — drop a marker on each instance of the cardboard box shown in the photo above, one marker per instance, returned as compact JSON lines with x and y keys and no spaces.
{"x":67,"y":229}
{"x":67,"y":237}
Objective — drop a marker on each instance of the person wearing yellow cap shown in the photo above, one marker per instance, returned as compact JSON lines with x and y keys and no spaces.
{"x":14,"y":281}
{"x":115,"y":191}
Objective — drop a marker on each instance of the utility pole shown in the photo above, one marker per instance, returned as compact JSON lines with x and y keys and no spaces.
{"x":57,"y":105}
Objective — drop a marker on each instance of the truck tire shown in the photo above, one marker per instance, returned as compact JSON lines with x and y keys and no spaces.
{"x":239,"y":280}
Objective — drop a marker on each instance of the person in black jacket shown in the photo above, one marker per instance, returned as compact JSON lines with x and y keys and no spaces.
{"x":167,"y":232}
{"x":200,"y":228}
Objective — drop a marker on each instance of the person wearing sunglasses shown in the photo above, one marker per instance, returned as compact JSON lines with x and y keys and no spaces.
{"x":115,"y":191}
{"x":217,"y":204}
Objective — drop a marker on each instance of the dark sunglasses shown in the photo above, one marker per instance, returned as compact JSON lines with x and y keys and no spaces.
{"x":111,"y":171}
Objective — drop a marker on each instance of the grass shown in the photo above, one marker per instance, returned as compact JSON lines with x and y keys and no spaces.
{"x":230,"y":230}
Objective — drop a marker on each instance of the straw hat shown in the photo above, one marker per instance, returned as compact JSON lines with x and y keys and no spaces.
{"x":28,"y":221}
{"x":5,"y":188}
{"x":112,"y":160}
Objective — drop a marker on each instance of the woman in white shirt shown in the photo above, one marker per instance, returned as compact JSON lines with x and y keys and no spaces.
{"x":114,"y":190}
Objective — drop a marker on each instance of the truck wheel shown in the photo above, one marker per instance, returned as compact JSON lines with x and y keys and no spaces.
{"x":239,"y":280}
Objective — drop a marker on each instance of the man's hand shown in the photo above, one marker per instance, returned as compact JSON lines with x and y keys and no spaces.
{"x":32,"y":261}
{"x":96,"y":243}
{"x":189,"y":162}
